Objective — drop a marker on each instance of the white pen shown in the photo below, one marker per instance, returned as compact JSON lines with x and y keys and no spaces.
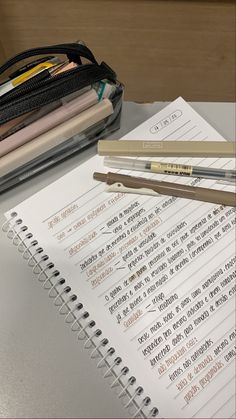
{"x":170,"y":168}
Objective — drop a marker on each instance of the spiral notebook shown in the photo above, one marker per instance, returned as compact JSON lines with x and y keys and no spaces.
{"x":148,"y":282}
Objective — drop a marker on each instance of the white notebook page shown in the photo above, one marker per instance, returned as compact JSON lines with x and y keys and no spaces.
{"x":156,"y":274}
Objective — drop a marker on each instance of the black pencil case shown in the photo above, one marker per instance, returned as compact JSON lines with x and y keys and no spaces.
{"x":40,"y":90}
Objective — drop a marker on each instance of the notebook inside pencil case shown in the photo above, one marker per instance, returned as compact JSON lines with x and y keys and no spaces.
{"x":46,"y":91}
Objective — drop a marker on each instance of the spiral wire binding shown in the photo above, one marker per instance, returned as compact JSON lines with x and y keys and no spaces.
{"x":78,"y":318}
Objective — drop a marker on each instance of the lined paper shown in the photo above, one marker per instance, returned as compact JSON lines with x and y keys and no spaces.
{"x":156,"y":274}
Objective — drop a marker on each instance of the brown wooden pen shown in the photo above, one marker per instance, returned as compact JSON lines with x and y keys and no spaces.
{"x":167,"y":188}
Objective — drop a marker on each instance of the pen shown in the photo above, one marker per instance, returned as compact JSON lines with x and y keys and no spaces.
{"x":25,"y":68}
{"x":47,"y":70}
{"x":28,"y":66}
{"x":131,"y":184}
{"x":170,"y":168}
{"x":11,"y":84}
{"x":166,"y":148}
{"x":32,"y":83}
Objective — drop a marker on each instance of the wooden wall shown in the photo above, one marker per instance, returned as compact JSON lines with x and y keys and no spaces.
{"x":159,"y":49}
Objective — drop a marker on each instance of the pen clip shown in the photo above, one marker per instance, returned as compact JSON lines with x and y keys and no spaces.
{"x":119,"y":187}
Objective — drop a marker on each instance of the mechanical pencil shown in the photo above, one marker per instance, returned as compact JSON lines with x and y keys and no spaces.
{"x":170,"y":168}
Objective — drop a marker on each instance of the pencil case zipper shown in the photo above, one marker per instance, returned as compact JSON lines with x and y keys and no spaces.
{"x":40,"y":91}
{"x":51,"y":90}
{"x":38,"y":81}
{"x":73,"y":51}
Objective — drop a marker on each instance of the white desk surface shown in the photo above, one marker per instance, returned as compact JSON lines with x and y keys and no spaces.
{"x":44,"y":371}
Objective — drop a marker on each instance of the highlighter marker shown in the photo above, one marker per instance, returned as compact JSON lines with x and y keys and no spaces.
{"x":9,"y":85}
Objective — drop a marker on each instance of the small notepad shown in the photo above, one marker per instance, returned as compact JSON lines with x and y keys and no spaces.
{"x":155,"y":275}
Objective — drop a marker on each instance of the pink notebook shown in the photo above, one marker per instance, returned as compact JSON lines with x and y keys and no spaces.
{"x":47,"y":122}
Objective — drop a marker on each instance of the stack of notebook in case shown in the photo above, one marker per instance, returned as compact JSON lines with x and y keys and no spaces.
{"x":51,"y":108}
